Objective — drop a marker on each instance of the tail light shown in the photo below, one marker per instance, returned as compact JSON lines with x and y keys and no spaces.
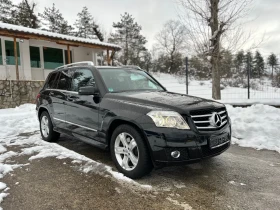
{"x":37,"y":97}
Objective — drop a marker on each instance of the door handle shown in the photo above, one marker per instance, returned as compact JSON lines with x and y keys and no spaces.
{"x":51,"y":94}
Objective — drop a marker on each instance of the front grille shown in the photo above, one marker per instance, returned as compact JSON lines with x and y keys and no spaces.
{"x":203,"y":122}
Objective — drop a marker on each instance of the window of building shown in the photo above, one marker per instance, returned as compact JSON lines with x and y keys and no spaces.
{"x":53,"y":57}
{"x":66,"y":56}
{"x":10,"y":53}
{"x":64,"y":81}
{"x":35,"y":57}
{"x":82,"y":78}
{"x":1,"y":58}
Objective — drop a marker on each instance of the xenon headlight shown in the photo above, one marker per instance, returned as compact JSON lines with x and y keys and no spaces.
{"x":168,"y":119}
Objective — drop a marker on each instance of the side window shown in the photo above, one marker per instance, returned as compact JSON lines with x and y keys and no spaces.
{"x":51,"y":83}
{"x":64,"y":81}
{"x":82,"y":78}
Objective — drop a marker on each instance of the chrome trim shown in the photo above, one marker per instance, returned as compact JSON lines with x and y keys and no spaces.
{"x":221,"y":112}
{"x":66,"y":91}
{"x":75,"y":124}
{"x":220,"y":144}
{"x":223,"y":117}
{"x":201,"y":121}
{"x":89,"y":63}
{"x":205,"y":115}
{"x":211,"y":127}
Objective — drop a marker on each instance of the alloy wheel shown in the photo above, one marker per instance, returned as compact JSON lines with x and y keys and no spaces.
{"x":126,"y":151}
{"x":45,"y":126}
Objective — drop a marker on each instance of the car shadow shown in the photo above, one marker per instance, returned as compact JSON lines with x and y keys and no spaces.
{"x":206,"y":169}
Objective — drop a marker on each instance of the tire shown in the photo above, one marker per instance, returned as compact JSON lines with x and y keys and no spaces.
{"x":46,"y":128}
{"x":125,"y":155}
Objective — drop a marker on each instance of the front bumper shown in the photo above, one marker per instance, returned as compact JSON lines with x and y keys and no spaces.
{"x":192,"y":145}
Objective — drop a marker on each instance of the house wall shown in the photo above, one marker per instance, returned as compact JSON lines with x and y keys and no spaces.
{"x":26,"y":72}
{"x":14,"y":93}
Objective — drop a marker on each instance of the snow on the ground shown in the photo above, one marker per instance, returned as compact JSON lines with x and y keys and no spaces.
{"x":23,"y":120}
{"x":231,"y":95}
{"x":257,"y":126}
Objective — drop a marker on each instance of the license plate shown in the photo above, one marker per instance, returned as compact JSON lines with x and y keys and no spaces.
{"x":217,"y":141}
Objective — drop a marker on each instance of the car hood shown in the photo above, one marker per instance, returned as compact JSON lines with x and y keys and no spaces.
{"x":165,"y":100}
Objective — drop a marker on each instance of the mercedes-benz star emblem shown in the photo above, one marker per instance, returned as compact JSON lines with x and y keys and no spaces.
{"x":216,"y":120}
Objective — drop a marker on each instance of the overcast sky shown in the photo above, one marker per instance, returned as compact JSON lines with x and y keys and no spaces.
{"x":152,"y":14}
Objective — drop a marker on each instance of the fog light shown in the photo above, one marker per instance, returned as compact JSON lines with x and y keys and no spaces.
{"x":175,"y":154}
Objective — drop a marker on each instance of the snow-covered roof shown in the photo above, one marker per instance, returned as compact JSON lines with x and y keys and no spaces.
{"x":15,"y":28}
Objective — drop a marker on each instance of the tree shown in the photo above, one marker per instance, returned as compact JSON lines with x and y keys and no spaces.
{"x":25,"y":15}
{"x":87,"y":26}
{"x":208,"y":22}
{"x":6,"y":9}
{"x":272,"y":61}
{"x":171,"y":41}
{"x":238,"y":62}
{"x":258,"y":62}
{"x":248,"y":62}
{"x":226,"y":64}
{"x":54,"y":21}
{"x":127,"y":34}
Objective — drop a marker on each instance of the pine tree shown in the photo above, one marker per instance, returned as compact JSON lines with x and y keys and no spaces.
{"x":25,"y":15}
{"x":86,"y":26}
{"x":127,"y":35}
{"x":238,"y":61}
{"x":258,"y":62}
{"x":54,"y":21}
{"x":272,"y":61}
{"x":6,"y":9}
{"x":248,"y":62}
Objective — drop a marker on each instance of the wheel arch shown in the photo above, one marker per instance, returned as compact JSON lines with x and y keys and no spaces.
{"x":117,"y":122}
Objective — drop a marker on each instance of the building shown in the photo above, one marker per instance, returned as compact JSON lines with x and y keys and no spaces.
{"x":39,"y":52}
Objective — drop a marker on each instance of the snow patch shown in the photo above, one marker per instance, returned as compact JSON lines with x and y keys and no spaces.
{"x":256,"y":126}
{"x":184,"y":205}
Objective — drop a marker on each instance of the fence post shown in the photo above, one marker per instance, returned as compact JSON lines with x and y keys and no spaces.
{"x":187,"y":76}
{"x":248,"y":76}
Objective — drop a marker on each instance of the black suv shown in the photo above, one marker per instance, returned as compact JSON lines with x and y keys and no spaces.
{"x":126,"y":110}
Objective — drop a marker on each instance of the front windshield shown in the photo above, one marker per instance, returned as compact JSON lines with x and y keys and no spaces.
{"x":121,"y":80}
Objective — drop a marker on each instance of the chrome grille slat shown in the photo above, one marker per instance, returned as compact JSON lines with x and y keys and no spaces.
{"x":202,"y":119}
{"x":211,"y":127}
{"x":205,"y":115}
{"x":223,"y":117}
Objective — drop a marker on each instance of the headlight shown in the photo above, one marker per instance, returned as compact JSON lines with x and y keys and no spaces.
{"x":168,"y":119}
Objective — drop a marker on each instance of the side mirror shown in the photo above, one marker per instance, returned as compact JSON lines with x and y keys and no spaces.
{"x":88,"y":90}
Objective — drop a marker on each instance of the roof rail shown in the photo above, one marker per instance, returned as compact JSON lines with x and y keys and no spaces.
{"x":87,"y":63}
{"x":131,"y":66}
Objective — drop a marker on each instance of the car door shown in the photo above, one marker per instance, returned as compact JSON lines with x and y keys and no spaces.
{"x":58,"y":95}
{"x":82,"y":111}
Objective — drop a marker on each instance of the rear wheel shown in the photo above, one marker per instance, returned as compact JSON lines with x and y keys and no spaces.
{"x":129,"y":152}
{"x":46,"y":128}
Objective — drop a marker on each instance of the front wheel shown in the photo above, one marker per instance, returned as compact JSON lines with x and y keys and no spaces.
{"x":46,"y":128}
{"x":129,"y":152}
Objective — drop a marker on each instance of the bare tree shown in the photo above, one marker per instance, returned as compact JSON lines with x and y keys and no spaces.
{"x":171,"y":40}
{"x":210,"y":23}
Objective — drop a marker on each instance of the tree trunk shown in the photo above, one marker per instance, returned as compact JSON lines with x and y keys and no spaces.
{"x":272,"y":72}
{"x":215,"y":50}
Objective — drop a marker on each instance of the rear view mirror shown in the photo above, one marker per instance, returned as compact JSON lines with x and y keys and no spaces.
{"x":88,"y":90}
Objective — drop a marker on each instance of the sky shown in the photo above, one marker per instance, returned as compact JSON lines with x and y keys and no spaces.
{"x":263,"y":19}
